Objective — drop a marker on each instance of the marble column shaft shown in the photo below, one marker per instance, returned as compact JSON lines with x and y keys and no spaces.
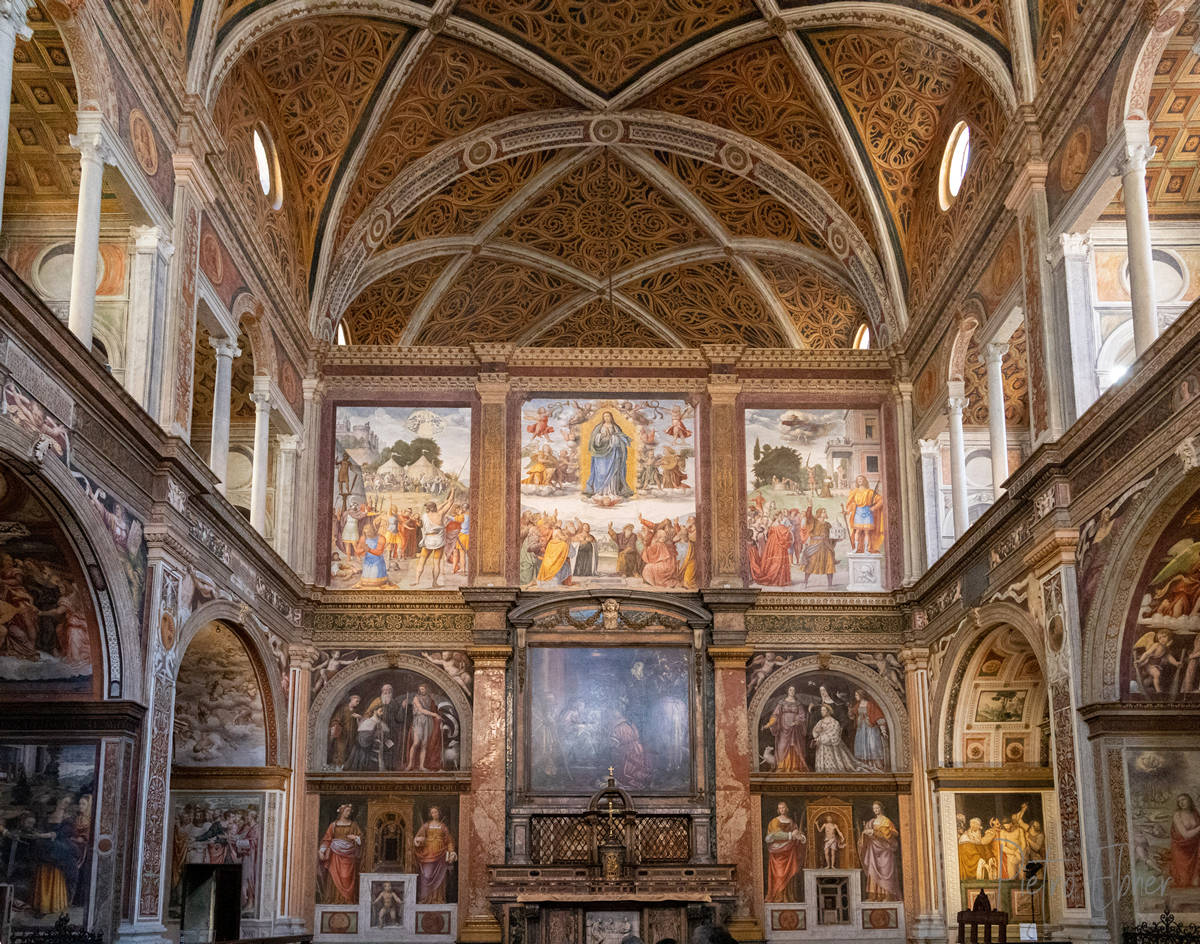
{"x":12,"y":25}
{"x":997,"y":425}
{"x":1141,"y":253}
{"x":226,"y":352}
{"x":285,"y":495}
{"x":262,"y":448}
{"x":958,"y":464}
{"x":93,"y":153}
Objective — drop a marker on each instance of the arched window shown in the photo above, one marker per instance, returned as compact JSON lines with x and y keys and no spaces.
{"x":342,"y":337}
{"x":267,"y":161}
{"x":954,"y":164}
{"x":862,"y":338}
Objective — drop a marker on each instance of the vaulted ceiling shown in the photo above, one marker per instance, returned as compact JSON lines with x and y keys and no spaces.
{"x":658,"y":172}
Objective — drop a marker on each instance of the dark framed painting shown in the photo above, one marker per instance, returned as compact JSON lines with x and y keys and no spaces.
{"x":624,"y":708}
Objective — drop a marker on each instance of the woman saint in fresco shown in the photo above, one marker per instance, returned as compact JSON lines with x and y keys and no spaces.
{"x":435,"y":853}
{"x":789,"y":724}
{"x":877,"y":849}
{"x":338,"y":855}
{"x":785,"y":855}
{"x":609,"y":448}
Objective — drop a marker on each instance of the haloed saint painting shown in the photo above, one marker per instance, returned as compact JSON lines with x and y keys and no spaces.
{"x":608,"y":494}
{"x":816,"y":502}
{"x":592,"y":709}
{"x":401,"y":502}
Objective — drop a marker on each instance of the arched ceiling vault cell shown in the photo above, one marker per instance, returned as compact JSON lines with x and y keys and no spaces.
{"x":408,"y":122}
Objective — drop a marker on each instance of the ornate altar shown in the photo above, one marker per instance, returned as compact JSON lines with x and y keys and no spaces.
{"x":605,"y":872}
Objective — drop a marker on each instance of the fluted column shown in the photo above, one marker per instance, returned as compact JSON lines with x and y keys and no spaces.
{"x":262,"y":449}
{"x":1132,"y":168}
{"x":93,"y":155}
{"x":218,"y":451}
{"x":997,"y":424}
{"x":12,"y":25}
{"x":145,"y":340}
{"x":958,"y":464}
{"x":928,"y":922}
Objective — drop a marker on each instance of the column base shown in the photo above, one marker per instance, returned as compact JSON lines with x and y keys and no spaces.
{"x":141,"y":934}
{"x":929,"y":928}
{"x":480,"y":929}
{"x":744,"y":928}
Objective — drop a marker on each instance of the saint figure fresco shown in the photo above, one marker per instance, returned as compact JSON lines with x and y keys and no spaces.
{"x":401,"y":499}
{"x":1164,"y":832}
{"x":608,"y":494}
{"x":815,"y":496}
{"x":338,"y":856}
{"x":217,"y":829}
{"x":823,"y":722}
{"x":436,"y":855}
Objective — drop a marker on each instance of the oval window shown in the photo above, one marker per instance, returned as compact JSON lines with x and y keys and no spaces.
{"x":954,"y":164}
{"x":267,"y":163}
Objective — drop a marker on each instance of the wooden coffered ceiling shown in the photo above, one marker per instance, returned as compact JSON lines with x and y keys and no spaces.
{"x":545,"y":171}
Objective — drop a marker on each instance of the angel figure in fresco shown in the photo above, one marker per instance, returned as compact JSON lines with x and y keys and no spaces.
{"x":1176,"y":587}
{"x":677,"y":430}
{"x":540,"y":427}
{"x":1153,"y":658}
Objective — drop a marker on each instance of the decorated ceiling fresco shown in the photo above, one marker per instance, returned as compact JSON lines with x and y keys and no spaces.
{"x":777,"y":165}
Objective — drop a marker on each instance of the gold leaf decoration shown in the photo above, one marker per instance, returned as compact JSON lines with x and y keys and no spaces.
{"x":453,"y":90}
{"x":756,"y":91}
{"x":825,"y":314}
{"x":605,"y":45}
{"x":381,"y":311}
{"x":492,"y":301}
{"x":603,"y":216}
{"x":596,"y":324}
{"x":708,"y":303}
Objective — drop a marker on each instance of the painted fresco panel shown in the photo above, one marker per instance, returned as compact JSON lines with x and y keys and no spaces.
{"x":217,"y":829}
{"x":218,"y":704}
{"x":624,"y":708}
{"x":829,"y":834}
{"x":1161,"y":658}
{"x":48,"y":633}
{"x":998,"y":835}
{"x":817,"y":509}
{"x":824,"y":722}
{"x":400,"y":838}
{"x":608,"y":494}
{"x":390,"y":721}
{"x":401,"y":497}
{"x":1164,"y":832}
{"x":47,"y":812}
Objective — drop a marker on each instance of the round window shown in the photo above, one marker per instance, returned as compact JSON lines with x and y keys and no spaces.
{"x":267,"y":162}
{"x":954,"y":164}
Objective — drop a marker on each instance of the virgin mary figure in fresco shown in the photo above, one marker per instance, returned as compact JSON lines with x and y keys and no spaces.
{"x":609,"y":448}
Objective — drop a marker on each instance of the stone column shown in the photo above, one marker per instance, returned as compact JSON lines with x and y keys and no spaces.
{"x":1076,"y":294}
{"x":490,"y":538}
{"x":93,"y":155}
{"x":955,"y":405}
{"x":145,"y":341}
{"x":298,"y":855}
{"x":1132,"y":168}
{"x":304,"y":528}
{"x":737,"y":842}
{"x":997,"y":424}
{"x":262,"y":450}
{"x":725,"y":567}
{"x":908,"y":504}
{"x":928,"y":924}
{"x":218,"y":454}
{"x":931,"y":493}
{"x":12,"y":25}
{"x":285,"y":495}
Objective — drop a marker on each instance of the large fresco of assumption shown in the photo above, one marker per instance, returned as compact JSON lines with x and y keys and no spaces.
{"x":47,"y":624}
{"x":815,"y":500}
{"x":592,"y":710}
{"x":1162,"y":634}
{"x":608,"y":494}
{"x":401,"y":497}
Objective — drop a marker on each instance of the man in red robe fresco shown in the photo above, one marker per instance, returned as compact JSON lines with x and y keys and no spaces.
{"x":773,"y":568}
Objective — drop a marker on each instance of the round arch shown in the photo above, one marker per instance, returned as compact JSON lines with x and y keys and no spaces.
{"x":1104,"y":631}
{"x":117,"y":612}
{"x":502,"y":139}
{"x":249,"y":316}
{"x":970,"y":633}
{"x":1135,"y":75}
{"x":234,"y":617}
{"x":956,"y":366}
{"x":891,"y":704}
{"x":320,"y":713}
